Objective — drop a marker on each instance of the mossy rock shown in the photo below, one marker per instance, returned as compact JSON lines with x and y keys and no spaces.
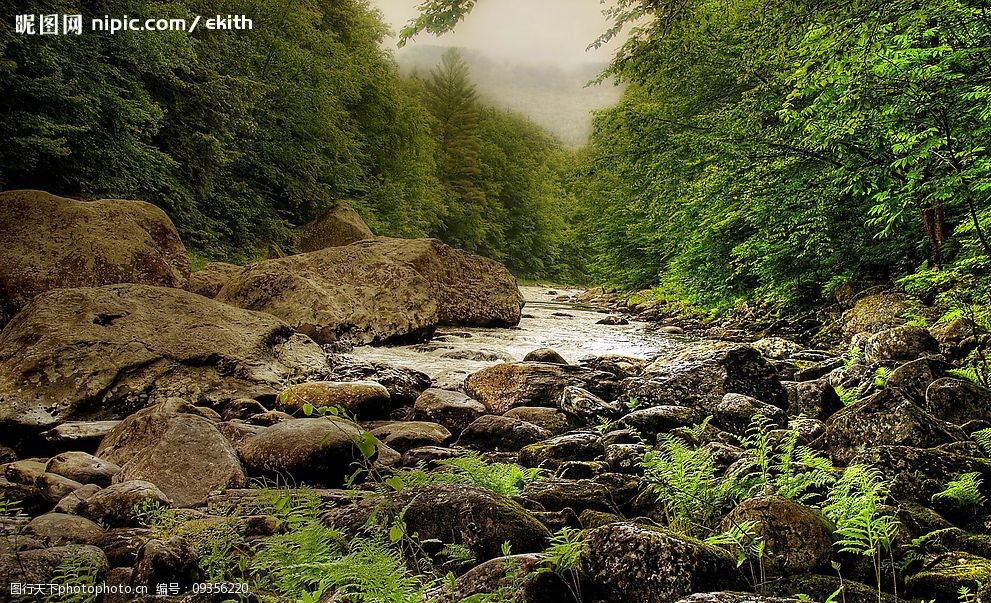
{"x":944,"y":575}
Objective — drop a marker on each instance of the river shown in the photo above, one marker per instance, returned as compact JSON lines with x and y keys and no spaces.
{"x":566,"y":327}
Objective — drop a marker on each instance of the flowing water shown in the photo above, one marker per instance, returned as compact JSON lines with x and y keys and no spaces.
{"x":566,"y":327}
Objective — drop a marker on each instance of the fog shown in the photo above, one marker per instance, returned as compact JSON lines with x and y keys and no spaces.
{"x":528,"y":31}
{"x":526,"y":55}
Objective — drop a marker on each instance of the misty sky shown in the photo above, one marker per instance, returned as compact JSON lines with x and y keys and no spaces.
{"x":531,"y":31}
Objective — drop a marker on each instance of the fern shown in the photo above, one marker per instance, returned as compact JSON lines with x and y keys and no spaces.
{"x":881,"y":376}
{"x":848,"y":396}
{"x":967,"y":373}
{"x":685,"y":483}
{"x":983,"y":439}
{"x":565,"y":551}
{"x":855,"y":508}
{"x":75,"y":571}
{"x":791,"y":470}
{"x":507,"y":479}
{"x":964,"y":491}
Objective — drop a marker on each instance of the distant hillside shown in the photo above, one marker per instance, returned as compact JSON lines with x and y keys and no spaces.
{"x":553,"y":97}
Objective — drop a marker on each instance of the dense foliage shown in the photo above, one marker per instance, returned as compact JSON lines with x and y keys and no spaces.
{"x":240,"y":135}
{"x":775,"y":151}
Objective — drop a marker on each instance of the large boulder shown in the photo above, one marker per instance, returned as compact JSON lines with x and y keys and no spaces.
{"x":43,"y":566}
{"x":874,"y":313}
{"x":182,"y":453}
{"x":120,"y":504}
{"x":49,"y":242}
{"x":320,"y":450}
{"x":453,"y":410}
{"x":470,"y":290}
{"x":900,"y":343}
{"x":210,"y":279}
{"x":701,"y":374}
{"x":359,"y":399}
{"x":885,"y":419}
{"x":340,"y":294}
{"x":795,"y":537}
{"x":103,"y":353}
{"x":630,"y":563}
{"x":958,"y":401}
{"x":454,"y":514}
{"x":505,"y":386}
{"x":339,"y":226}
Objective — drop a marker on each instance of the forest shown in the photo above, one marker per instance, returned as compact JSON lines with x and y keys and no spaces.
{"x":240,"y":136}
{"x":732,"y":349}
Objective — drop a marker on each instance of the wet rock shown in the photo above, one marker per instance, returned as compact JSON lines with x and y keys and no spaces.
{"x":580,"y":446}
{"x":404,"y":384}
{"x":577,"y":495}
{"x":944,"y":574}
{"x":507,"y":386}
{"x":813,"y":399}
{"x":453,"y":410}
{"x":796,"y":539}
{"x":49,"y":242}
{"x":183,"y":454}
{"x":429,"y":455}
{"x":60,"y":528}
{"x":588,"y":409}
{"x":211,"y":278}
{"x":900,"y":343}
{"x":321,"y":450}
{"x":882,"y":420}
{"x":454,"y":514}
{"x":41,"y":566}
{"x":626,"y":458}
{"x":551,"y":420}
{"x":703,"y":373}
{"x":78,"y":435}
{"x":776,"y":348}
{"x":83,"y":468}
{"x":360,"y":399}
{"x":242,"y":409}
{"x":24,"y":471}
{"x":546,"y":355}
{"x":123,"y":545}
{"x":54,"y":488}
{"x":339,"y":226}
{"x":621,"y":367}
{"x":535,"y":586}
{"x":736,"y":412}
{"x":73,"y":502}
{"x":406,"y":435}
{"x":171,"y":561}
{"x":916,"y":474}
{"x":957,"y":401}
{"x":874,"y":313}
{"x":629,"y":563}
{"x":819,"y":369}
{"x":612,"y":321}
{"x":108,"y":351}
{"x":114,"y":506}
{"x":650,"y":422}
{"x":912,"y":379}
{"x":496,"y":433}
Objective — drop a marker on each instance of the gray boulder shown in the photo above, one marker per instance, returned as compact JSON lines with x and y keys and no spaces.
{"x":184,"y":454}
{"x":103,"y":353}
{"x":49,"y":242}
{"x":339,"y":226}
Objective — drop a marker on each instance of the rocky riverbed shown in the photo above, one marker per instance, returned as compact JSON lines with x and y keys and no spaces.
{"x":234,"y":429}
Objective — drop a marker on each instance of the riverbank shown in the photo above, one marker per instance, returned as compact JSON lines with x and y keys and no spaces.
{"x":237,"y":428}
